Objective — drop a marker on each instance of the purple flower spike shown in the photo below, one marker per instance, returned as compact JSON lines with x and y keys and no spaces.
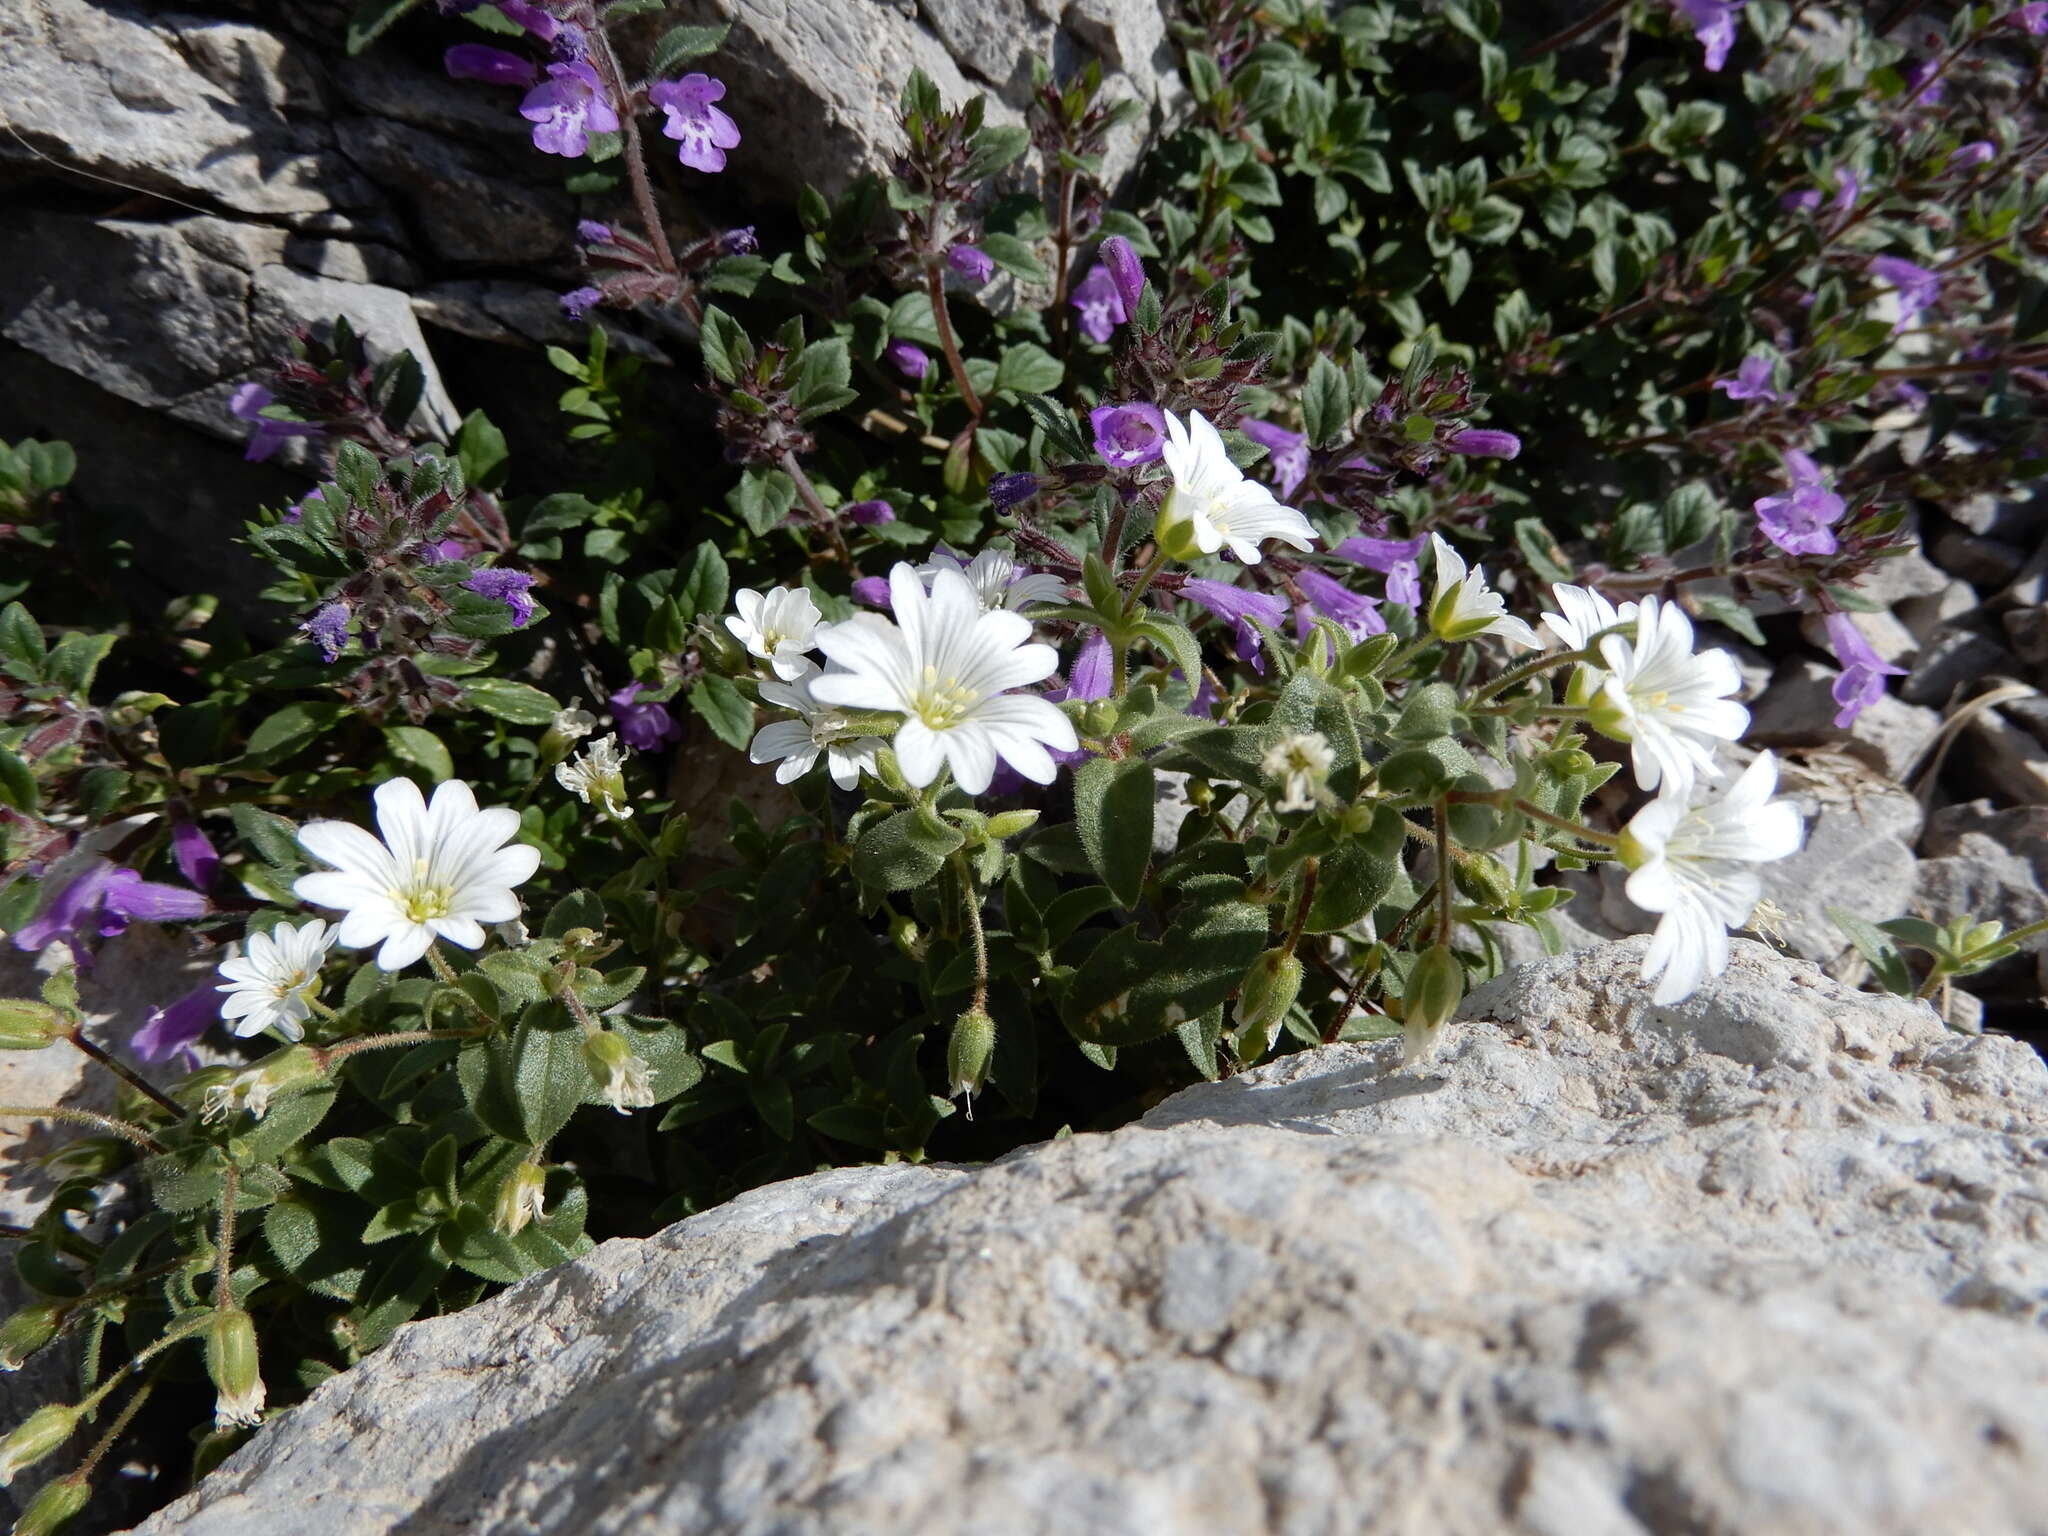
{"x":578,"y":302}
{"x":1125,"y":271}
{"x":1485,"y":443}
{"x":1863,"y":670}
{"x":493,"y":66}
{"x":1976,"y":152}
{"x":328,"y":629}
{"x":912,"y":361}
{"x":507,"y":587}
{"x":247,"y":402}
{"x":971,"y":262}
{"x":1713,"y":23}
{"x":1359,"y":615}
{"x":194,"y":852}
{"x":531,"y":17}
{"x":172,"y":1031}
{"x":1286,"y":451}
{"x":1101,"y":305}
{"x":872,"y":590}
{"x":1005,"y":491}
{"x":566,"y":108}
{"x":869,"y":514}
{"x":703,"y":131}
{"x":1918,"y":288}
{"x":1752,"y":381}
{"x":1234,"y":605}
{"x":1128,"y":435}
{"x":643,"y":727}
{"x":1801,"y":521}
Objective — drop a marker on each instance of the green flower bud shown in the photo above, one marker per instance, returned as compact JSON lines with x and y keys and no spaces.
{"x":231,"y":1360}
{"x":1175,"y":529}
{"x":1485,"y":880}
{"x":1436,"y":985}
{"x":1007,"y":824}
{"x":1982,"y":936}
{"x":1268,"y":990}
{"x":26,"y":1025}
{"x":520,"y":1199}
{"x":53,"y":1507}
{"x":28,"y":1331}
{"x":903,"y":933}
{"x":1570,"y":763}
{"x":39,"y":1434}
{"x":625,"y":1080}
{"x":973,"y":1042}
{"x":1098,"y":718}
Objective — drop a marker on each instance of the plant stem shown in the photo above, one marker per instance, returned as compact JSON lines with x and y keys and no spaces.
{"x":1528,"y":669}
{"x":1537,"y":813}
{"x":1443,"y":872}
{"x":1308,"y":895}
{"x":1152,"y":568}
{"x":935,"y":285}
{"x":971,"y":898}
{"x":115,"y":1430}
{"x":121,"y":1128}
{"x":814,"y":504}
{"x":1063,"y":239}
{"x":635,"y":156}
{"x":1576,"y":30}
{"x":348,"y":1048}
{"x":224,"y":1246}
{"x":442,"y":968}
{"x":127,"y":1074}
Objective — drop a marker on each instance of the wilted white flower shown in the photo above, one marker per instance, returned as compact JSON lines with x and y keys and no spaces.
{"x":945,"y":666}
{"x":521,"y":1199}
{"x":1212,"y":503}
{"x":1692,"y":863}
{"x":274,"y":984}
{"x":625,"y":1080}
{"x":793,"y":745}
{"x":597,"y":776}
{"x":779,"y":627}
{"x":998,"y":580}
{"x":1670,"y":706}
{"x":442,"y":871}
{"x":1301,"y":763}
{"x":1463,"y":607}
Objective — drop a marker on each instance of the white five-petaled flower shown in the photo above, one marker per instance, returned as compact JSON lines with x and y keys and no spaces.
{"x":998,"y":580}
{"x":777,"y":627}
{"x":945,"y":666}
{"x":442,"y":871}
{"x":1670,"y":706}
{"x":597,"y":776}
{"x":793,"y":745}
{"x":1463,"y":607}
{"x":1586,"y":613}
{"x":1212,"y":503}
{"x":274,"y":984}
{"x":1693,"y":862}
{"x":1301,"y":763}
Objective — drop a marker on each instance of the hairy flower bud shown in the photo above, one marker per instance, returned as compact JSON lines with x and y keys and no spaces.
{"x":231,"y":1360}
{"x":37,"y":1435}
{"x":26,"y":1025}
{"x":520,"y":1199}
{"x":53,"y":1507}
{"x":1485,"y":880}
{"x":1125,"y":270}
{"x":625,"y":1081}
{"x":28,"y":1331}
{"x":1268,"y":990}
{"x":1485,"y":443}
{"x":1435,"y":987}
{"x":1005,"y":491}
{"x":968,"y":1051}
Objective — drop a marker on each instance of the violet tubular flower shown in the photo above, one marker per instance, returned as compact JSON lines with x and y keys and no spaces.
{"x":197,"y":859}
{"x":1100,"y":303}
{"x":1128,"y":435}
{"x":1126,"y":273}
{"x":1006,"y":491}
{"x":579,"y":302}
{"x":702,"y":131}
{"x":1976,"y":152}
{"x":247,"y":403}
{"x":1485,"y":443}
{"x":1918,"y":288}
{"x":1234,"y":605}
{"x":1863,"y":670}
{"x":1713,"y":23}
{"x":566,"y":108}
{"x":1356,"y":614}
{"x":908,"y":359}
{"x":173,"y":1030}
{"x":507,"y":587}
{"x":869,"y":514}
{"x":1286,"y":451}
{"x":493,"y":66}
{"x":1751,"y":381}
{"x":98,"y":901}
{"x":643,"y":727}
{"x":971,"y":262}
{"x":328,"y":629}
{"x":1801,"y":522}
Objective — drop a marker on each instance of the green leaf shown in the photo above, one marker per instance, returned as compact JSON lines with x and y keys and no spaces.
{"x":1356,"y":875}
{"x":727,"y":351}
{"x":17,"y":784}
{"x":290,"y":729}
{"x":21,"y":641}
{"x":1113,"y":813}
{"x":706,"y":584}
{"x":1533,"y":537}
{"x":75,"y":661}
{"x":1028,"y":369}
{"x":1875,"y":946}
{"x":422,"y":749}
{"x":373,"y":19}
{"x":274,"y":839}
{"x":680,"y":45}
{"x":520,"y":703}
{"x":1325,"y":402}
{"x":725,"y":709}
{"x":904,"y":851}
{"x":1723,"y":609}
{"x":542,"y":1070}
{"x":763,"y":498}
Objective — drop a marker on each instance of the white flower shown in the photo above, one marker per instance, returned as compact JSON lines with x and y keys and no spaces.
{"x":1212,"y":503}
{"x":945,"y":670}
{"x":274,"y":984}
{"x":1302,"y":765}
{"x":597,"y":776}
{"x":998,"y":580}
{"x":777,"y":628}
{"x":1586,"y":613}
{"x":1691,"y":862}
{"x":794,"y":745}
{"x":625,"y":1080}
{"x":442,"y":871}
{"x":1668,"y":704}
{"x":1463,"y":607}
{"x":522,"y":1198}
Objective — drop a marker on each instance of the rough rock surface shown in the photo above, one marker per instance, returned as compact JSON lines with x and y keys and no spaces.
{"x":1772,"y":1260}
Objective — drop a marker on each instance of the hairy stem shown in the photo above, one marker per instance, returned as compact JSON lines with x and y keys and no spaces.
{"x":635,"y":155}
{"x":935,"y":285}
{"x":127,"y":1074}
{"x":971,"y":899}
{"x":224,"y":1246}
{"x":121,"y":1128}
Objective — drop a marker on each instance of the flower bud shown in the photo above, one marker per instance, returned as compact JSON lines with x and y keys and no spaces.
{"x":967,"y":1054}
{"x":26,"y":1025}
{"x":39,"y":1434}
{"x":904,"y":935}
{"x":1006,"y":824}
{"x":1126,"y":272}
{"x":1435,"y":987}
{"x":231,"y":1361}
{"x":1005,"y":491}
{"x":53,"y":1507}
{"x":625,"y":1081}
{"x":1268,"y":990}
{"x":1485,"y":880}
{"x":1485,"y":443}
{"x":520,"y":1200}
{"x":28,"y":1331}
{"x":1099,"y":718}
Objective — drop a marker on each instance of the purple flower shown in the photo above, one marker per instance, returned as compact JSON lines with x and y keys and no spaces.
{"x":493,"y":66}
{"x":1382,"y":555}
{"x":704,"y":132}
{"x":1863,"y":670}
{"x":1713,"y":23}
{"x":1918,"y":288}
{"x":1359,"y":616}
{"x":1125,"y":271}
{"x":443,"y":549}
{"x":507,"y":587}
{"x":738,"y":242}
{"x":1235,"y":605}
{"x":869,"y":514}
{"x":1286,"y":451}
{"x":971,"y":262}
{"x":1101,"y":305}
{"x":566,"y":108}
{"x":2033,"y":17}
{"x":531,"y":17}
{"x":872,"y":590}
{"x":643,"y":727}
{"x":1848,"y":187}
{"x":1404,"y":584}
{"x":1485,"y":443}
{"x":1800,"y":202}
{"x":172,"y":1031}
{"x":328,"y":629}
{"x":297,"y":509}
{"x":1005,"y":491}
{"x":578,"y":302}
{"x":97,"y":902}
{"x":1752,"y":381}
{"x":910,"y":360}
{"x":196,"y":858}
{"x":1976,"y":152}
{"x":591,"y":232}
{"x":247,"y":402}
{"x":1128,"y":435}
{"x":1926,"y":87}
{"x":1090,"y":678}
{"x":1801,"y":521}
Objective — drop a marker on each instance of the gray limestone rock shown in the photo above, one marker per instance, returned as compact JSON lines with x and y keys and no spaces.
{"x":1799,"y":711}
{"x":2003,"y":758}
{"x":1952,"y":658}
{"x":1768,"y":1260}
